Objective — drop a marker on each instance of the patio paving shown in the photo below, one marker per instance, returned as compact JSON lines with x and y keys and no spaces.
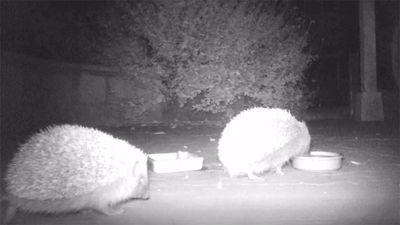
{"x":364,"y":191}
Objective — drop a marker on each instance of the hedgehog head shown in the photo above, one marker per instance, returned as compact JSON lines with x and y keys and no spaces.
{"x":141,"y":179}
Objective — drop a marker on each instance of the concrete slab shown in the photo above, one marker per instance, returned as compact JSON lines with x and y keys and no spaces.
{"x":365,"y":191}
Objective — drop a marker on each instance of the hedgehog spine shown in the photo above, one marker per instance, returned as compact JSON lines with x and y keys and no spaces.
{"x":69,"y":167}
{"x":261,"y":139}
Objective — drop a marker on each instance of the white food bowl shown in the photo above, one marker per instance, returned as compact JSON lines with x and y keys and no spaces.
{"x":175,"y":162}
{"x":318,"y":161}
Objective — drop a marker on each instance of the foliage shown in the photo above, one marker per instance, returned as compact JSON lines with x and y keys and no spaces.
{"x":217,"y":56}
{"x":226,"y":54}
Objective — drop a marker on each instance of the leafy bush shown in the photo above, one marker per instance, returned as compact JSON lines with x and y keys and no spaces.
{"x":124,"y":46}
{"x":217,"y":56}
{"x":229,"y":55}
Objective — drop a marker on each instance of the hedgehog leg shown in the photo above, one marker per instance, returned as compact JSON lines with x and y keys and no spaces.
{"x":110,"y":210}
{"x":252,"y":176}
{"x":278,"y":170}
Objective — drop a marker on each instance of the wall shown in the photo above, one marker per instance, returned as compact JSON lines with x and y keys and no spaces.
{"x":36,"y":93}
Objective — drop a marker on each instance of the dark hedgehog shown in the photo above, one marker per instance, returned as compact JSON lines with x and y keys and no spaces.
{"x":69,"y":168}
{"x":261,"y":139}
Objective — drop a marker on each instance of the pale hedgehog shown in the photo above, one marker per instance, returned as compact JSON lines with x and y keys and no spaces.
{"x":70,"y":167}
{"x":261,"y":139}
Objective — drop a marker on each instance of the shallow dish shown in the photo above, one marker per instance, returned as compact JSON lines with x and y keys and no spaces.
{"x":175,"y":162}
{"x":318,"y":161}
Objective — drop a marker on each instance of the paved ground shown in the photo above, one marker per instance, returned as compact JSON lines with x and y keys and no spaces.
{"x":365,"y":191}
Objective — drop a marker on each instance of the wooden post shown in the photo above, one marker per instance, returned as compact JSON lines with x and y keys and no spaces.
{"x":396,"y":50}
{"x":368,"y":106}
{"x":354,"y":80}
{"x":396,"y":57}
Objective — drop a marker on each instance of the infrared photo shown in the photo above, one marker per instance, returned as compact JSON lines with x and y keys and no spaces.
{"x":200,"y":112}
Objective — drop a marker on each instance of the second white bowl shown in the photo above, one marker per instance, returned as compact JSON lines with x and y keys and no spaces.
{"x":318,"y":161}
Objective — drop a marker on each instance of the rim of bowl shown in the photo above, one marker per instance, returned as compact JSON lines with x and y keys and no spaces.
{"x":321,"y":155}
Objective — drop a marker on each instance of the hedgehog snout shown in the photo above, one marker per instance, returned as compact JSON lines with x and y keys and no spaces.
{"x":142,"y":191}
{"x":140,"y":174}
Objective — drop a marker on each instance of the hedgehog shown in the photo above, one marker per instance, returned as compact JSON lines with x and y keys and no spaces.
{"x":69,"y":168}
{"x":259,"y":140}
